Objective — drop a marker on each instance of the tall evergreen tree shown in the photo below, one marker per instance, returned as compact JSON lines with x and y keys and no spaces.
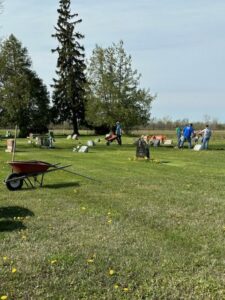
{"x":68,"y":93}
{"x":24,"y":100}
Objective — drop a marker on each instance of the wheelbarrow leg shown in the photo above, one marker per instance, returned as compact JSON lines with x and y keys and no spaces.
{"x":42,"y":179}
{"x":31,"y":184}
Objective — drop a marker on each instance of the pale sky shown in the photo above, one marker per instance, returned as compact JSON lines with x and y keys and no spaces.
{"x":177,"y":45}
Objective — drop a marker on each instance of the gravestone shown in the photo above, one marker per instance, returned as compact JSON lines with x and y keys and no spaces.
{"x":39,"y":140}
{"x":156,"y":143}
{"x":10,"y":145}
{"x":197,"y":147}
{"x":142,"y":149}
{"x":90,"y":143}
{"x":83,"y":149}
{"x":168,"y":142}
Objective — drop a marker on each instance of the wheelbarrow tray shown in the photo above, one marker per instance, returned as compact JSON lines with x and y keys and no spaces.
{"x":30,"y":166}
{"x":111,"y":138}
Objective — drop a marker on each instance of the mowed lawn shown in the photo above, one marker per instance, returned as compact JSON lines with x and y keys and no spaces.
{"x":149,"y":230}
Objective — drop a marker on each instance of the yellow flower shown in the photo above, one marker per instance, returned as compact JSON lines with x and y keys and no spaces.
{"x":83,"y":208}
{"x":111,"y":272}
{"x":90,"y":261}
{"x":125,"y":289}
{"x":5,"y":258}
{"x":110,"y":221}
{"x":53,"y":261}
{"x":4,"y":297}
{"x":116,"y":286}
{"x":109,"y":213}
{"x":14,"y":270}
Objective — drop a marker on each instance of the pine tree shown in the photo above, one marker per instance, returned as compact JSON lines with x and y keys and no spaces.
{"x":68,"y":92}
{"x":23,"y":96}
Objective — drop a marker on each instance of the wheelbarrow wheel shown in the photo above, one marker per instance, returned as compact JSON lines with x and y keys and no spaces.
{"x":15,"y":184}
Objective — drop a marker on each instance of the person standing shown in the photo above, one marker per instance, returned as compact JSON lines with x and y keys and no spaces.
{"x":206,"y":135}
{"x":119,"y":133}
{"x":188,"y":132}
{"x":178,"y":134}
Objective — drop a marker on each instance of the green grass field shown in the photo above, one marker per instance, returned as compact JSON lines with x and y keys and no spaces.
{"x":150,"y":230}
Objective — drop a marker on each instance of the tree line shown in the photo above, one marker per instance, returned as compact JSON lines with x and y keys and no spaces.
{"x":94,"y":93}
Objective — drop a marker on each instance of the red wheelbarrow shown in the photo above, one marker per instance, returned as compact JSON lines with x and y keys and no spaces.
{"x":24,"y":171}
{"x":110,"y":138}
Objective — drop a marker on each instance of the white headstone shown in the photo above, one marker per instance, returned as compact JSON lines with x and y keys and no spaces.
{"x":10,"y":145}
{"x":90,"y":143}
{"x":83,"y":149}
{"x":197,"y":147}
{"x":168,"y":142}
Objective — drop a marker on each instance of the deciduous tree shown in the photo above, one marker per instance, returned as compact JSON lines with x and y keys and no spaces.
{"x":114,"y":92}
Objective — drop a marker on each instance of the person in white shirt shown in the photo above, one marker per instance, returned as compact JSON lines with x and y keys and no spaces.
{"x":206,"y":135}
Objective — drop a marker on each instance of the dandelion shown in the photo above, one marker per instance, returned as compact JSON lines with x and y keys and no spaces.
{"x":111,"y":272}
{"x":109,"y":213}
{"x":53,"y":261}
{"x":125,"y":289}
{"x":14,"y":270}
{"x":83,"y":208}
{"x":90,"y":261}
{"x":5,"y":258}
{"x":4,"y":297}
{"x":110,"y":221}
{"x":116,"y":286}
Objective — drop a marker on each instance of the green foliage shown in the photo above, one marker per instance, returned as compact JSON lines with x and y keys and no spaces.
{"x":68,"y":94}
{"x":24,"y":99}
{"x":113,"y":92}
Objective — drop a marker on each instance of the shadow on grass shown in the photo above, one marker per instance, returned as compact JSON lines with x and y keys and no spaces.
{"x":11,"y":213}
{"x":62,"y":185}
{"x":15,"y":211}
{"x":11,"y":225}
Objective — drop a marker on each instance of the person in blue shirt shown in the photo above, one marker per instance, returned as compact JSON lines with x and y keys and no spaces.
{"x":188,"y":132}
{"x":118,"y":133}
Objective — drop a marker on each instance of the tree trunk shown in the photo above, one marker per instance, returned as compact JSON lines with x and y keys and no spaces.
{"x":75,"y":126}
